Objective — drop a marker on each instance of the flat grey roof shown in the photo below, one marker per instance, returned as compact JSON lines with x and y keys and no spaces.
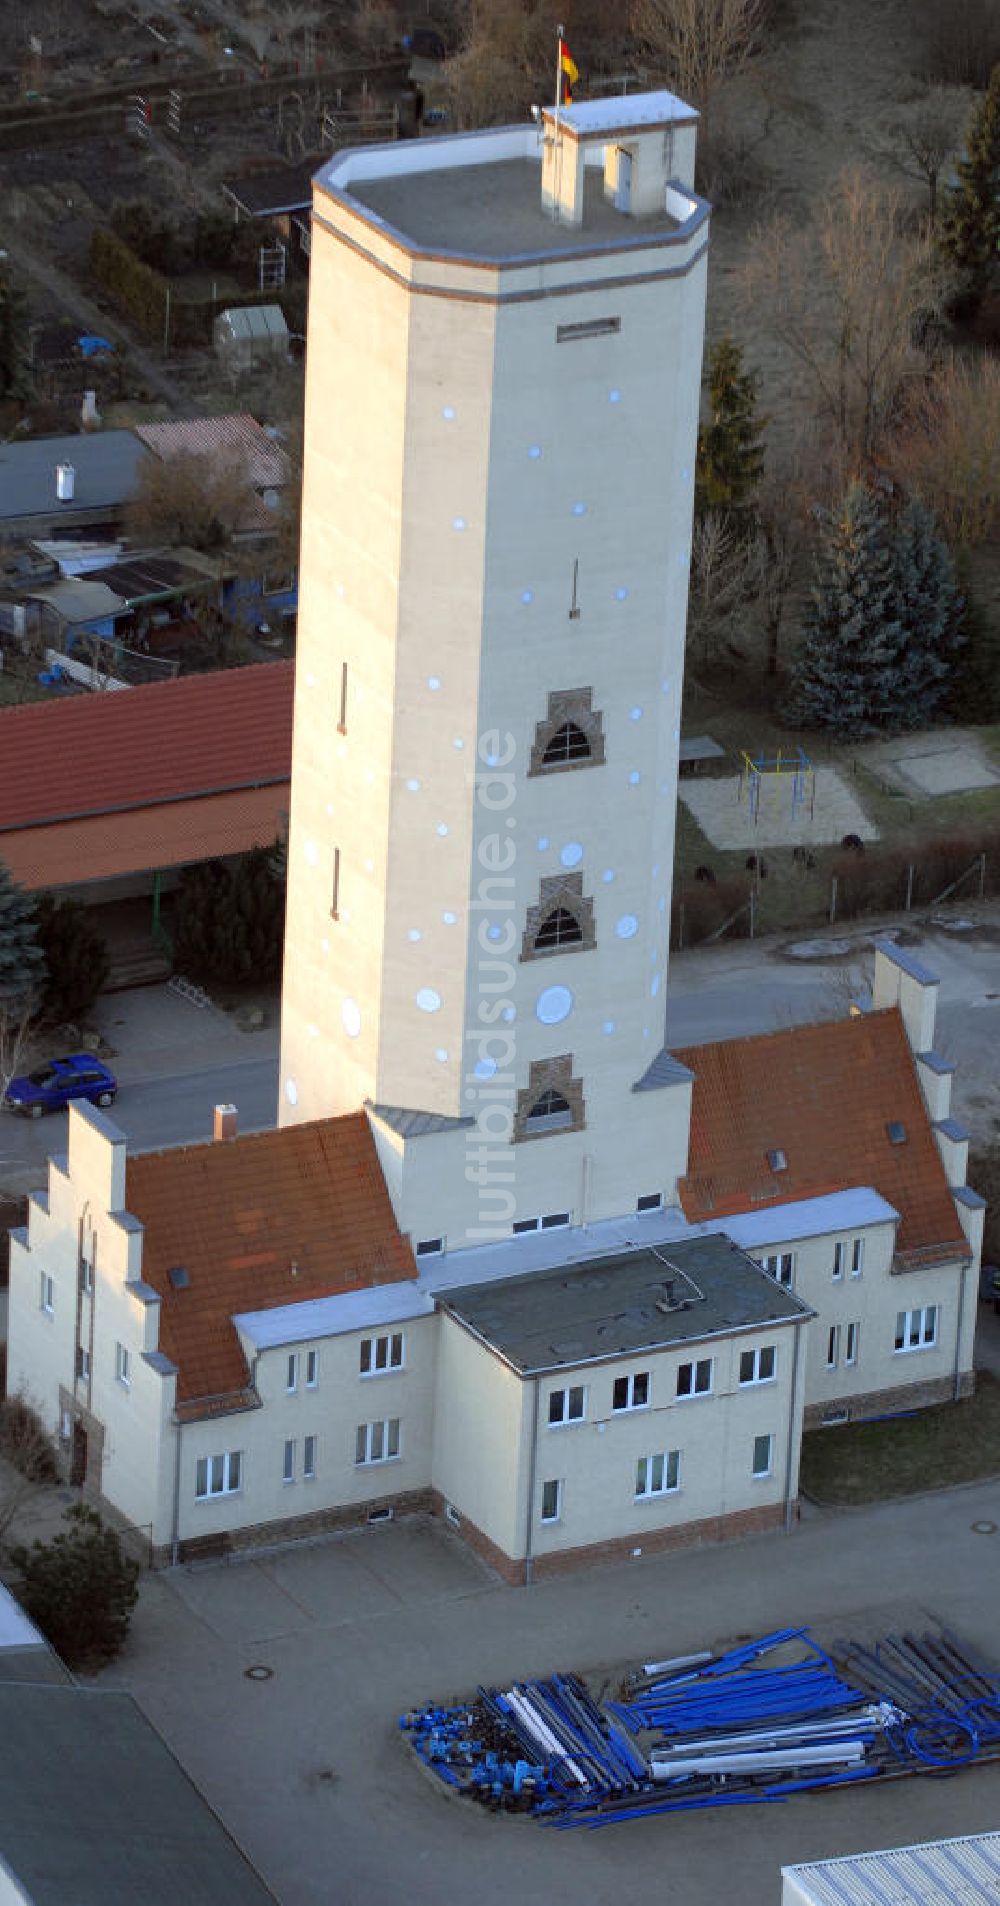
{"x":106,"y":463}
{"x":494,"y":211}
{"x":97,"y":1811}
{"x":609,"y":1306}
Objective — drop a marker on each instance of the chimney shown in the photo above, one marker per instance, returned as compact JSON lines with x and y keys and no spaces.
{"x":225,"y":1122}
{"x":65,"y":482}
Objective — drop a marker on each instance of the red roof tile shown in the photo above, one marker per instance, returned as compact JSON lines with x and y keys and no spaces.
{"x":171,"y":834}
{"x":238,"y":1215}
{"x":824,"y":1096}
{"x":104,"y":754}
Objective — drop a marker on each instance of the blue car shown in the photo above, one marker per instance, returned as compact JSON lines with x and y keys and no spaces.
{"x":51,"y":1087}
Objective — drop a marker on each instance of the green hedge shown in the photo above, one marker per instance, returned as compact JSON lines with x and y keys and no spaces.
{"x":136,"y":287}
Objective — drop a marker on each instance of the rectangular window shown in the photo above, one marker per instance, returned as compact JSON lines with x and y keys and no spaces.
{"x":590,"y":328}
{"x":377,"y":1442}
{"x":658,"y":1475}
{"x":335,"y":889}
{"x":86,"y":1276}
{"x":781,"y":1266}
{"x":292,"y":1371}
{"x":218,"y":1475}
{"x":342,"y":723}
{"x":430,"y":1247}
{"x":551,"y":1501}
{"x":695,"y":1379}
{"x":833,"y":1347}
{"x":122,"y":1370}
{"x":566,"y":1406}
{"x":651,"y":1201}
{"x":763,"y":1455}
{"x":288,"y":1467}
{"x":555,"y":1221}
{"x":759,"y":1366}
{"x":47,"y":1293}
{"x":381,"y":1354}
{"x":839,"y":1254}
{"x":857,"y":1257}
{"x":309,"y":1458}
{"x":312,"y":1369}
{"x":631,"y":1393}
{"x":83,"y":1364}
{"x":917,"y":1329}
{"x":852,"y":1341}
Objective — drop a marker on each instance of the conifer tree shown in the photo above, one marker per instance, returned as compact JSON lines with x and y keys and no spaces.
{"x":970,"y":229}
{"x":730,"y":447}
{"x":76,"y":957}
{"x":22,"y":962}
{"x":930,"y":614}
{"x":844,"y":672}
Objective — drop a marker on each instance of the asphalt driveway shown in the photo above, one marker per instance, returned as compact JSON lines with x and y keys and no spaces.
{"x":307,"y":1767}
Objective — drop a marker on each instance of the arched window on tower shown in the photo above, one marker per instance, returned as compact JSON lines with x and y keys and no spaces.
{"x":571,"y":735}
{"x":552,"y":1100}
{"x":569,"y":743}
{"x":562,"y":921}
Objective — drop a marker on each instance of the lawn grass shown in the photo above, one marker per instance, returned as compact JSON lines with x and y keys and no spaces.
{"x":872,"y":1462}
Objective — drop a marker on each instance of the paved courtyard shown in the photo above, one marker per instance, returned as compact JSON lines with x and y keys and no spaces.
{"x":308,"y":1769}
{"x":723,"y":812}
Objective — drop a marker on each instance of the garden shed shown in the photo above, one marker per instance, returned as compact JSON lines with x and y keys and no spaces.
{"x":251,"y":334}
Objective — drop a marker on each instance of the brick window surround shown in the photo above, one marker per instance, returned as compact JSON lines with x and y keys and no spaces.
{"x":555,"y":1098}
{"x":559,"y":895}
{"x":571,"y":735}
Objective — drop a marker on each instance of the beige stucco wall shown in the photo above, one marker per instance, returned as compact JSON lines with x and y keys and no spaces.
{"x":482,"y":1437}
{"x":873,"y":1300}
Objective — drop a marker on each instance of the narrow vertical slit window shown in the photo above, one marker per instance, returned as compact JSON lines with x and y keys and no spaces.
{"x":335,"y":894}
{"x":342,"y":723}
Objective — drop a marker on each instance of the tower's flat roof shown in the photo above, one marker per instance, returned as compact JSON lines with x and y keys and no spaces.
{"x":495,"y":211}
{"x":622,"y":112}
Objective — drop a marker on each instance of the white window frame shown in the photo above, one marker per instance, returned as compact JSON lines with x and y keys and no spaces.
{"x":555,"y":1513}
{"x":781,"y":1266}
{"x":288,"y":1462}
{"x":761,"y":1475}
{"x":637,"y":1376}
{"x":380,"y":1435}
{"x":669,"y":1473}
{"x":857,"y":1257}
{"x":833,"y":1347}
{"x":429,"y":1247}
{"x":695,"y":1366}
{"x":292,"y":1373}
{"x":47,"y":1294}
{"x":839,"y":1258}
{"x":924,"y":1313}
{"x":231,"y":1474}
{"x":123,"y":1366}
{"x":86,"y":1274}
{"x":312,"y":1369}
{"x":758,"y":1354}
{"x":388,"y":1344}
{"x":549,"y":1221}
{"x":82,"y":1363}
{"x":852,"y":1344}
{"x":569,"y":1413}
{"x":309,"y":1459}
{"x":648,"y":1202}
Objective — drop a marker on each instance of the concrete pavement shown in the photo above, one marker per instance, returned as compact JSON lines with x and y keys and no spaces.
{"x":308,"y":1770}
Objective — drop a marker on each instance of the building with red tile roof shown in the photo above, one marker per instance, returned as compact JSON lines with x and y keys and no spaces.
{"x":253,"y":1223}
{"x":100,"y":786}
{"x":811,"y":1110}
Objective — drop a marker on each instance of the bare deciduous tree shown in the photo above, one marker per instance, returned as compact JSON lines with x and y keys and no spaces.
{"x":849,"y":294}
{"x":199,"y":501}
{"x":506,"y":62}
{"x":15,"y":1030}
{"x":696,"y":44}
{"x":921,"y":137}
{"x":726,"y":575}
{"x":28,"y":1457}
{"x":948,"y":448}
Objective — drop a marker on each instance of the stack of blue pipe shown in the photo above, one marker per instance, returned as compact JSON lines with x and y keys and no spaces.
{"x":756,"y":1724}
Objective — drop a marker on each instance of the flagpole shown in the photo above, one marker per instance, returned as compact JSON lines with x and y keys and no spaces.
{"x":557,"y":153}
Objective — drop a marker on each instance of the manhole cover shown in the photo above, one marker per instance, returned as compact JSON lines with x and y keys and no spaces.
{"x":984,"y":1528}
{"x":258,"y":1673}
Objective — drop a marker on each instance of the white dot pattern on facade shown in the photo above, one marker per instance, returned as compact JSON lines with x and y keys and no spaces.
{"x":571,"y":854}
{"x":494,"y":933}
{"x":608,"y":875}
{"x":635,"y":714}
{"x":350,"y":1018}
{"x":414,"y":934}
{"x":414,"y":786}
{"x":428,"y":1000}
{"x":614,"y":397}
{"x":434,"y":681}
{"x":527,"y":595}
{"x":553,"y":1005}
{"x":324,"y":946}
{"x":608,"y":1026}
{"x":458,"y":522}
{"x":314,"y":1032}
{"x":634,"y":778}
{"x":509,"y":1014}
{"x":484,"y":1068}
{"x":441,"y":1055}
{"x":621,"y":595}
{"x":543,"y":841}
{"x":442,"y":829}
{"x":448,"y":413}
{"x":579,"y":509}
{"x":449,"y":919}
{"x":654,"y":986}
{"x":369,"y":866}
{"x":458,"y":742}
{"x":291,"y":1092}
{"x":627,"y":927}
{"x":534,"y":452}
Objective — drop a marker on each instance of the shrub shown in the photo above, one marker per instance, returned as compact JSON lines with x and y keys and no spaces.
{"x":76,"y":956}
{"x":25,"y":1442}
{"x":229,"y":924}
{"x":79,"y":1589}
{"x":701,"y":907}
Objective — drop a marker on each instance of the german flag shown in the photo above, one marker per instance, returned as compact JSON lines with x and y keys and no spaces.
{"x":568,"y":74}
